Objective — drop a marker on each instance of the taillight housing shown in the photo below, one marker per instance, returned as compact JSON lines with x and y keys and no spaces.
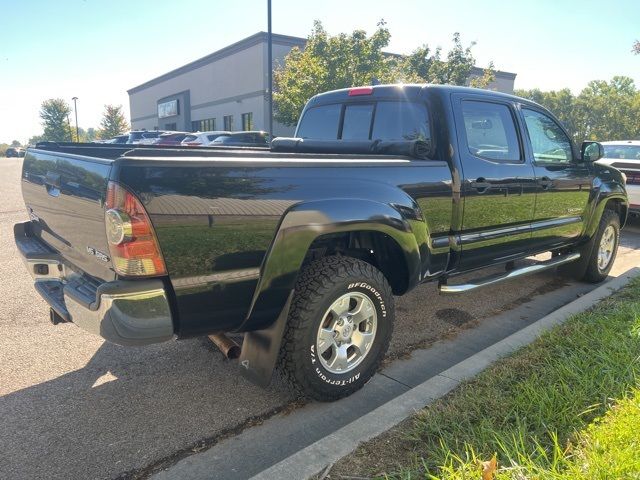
{"x":132,"y":242}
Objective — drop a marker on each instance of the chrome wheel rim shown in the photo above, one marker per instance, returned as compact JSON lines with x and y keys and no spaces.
{"x":606,"y":248}
{"x":347,"y":332}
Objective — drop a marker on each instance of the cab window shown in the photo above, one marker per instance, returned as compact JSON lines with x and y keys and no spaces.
{"x":548,"y":141}
{"x":401,"y":121}
{"x":320,"y":122}
{"x":357,"y":122}
{"x":383,"y":120}
{"x":490,"y":131}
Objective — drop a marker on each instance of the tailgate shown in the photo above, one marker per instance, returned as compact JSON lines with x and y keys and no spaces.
{"x":65,"y":195}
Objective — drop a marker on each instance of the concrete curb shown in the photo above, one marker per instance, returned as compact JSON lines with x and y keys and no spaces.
{"x":312,"y":459}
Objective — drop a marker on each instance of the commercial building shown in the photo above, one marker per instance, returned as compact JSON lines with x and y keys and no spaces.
{"x":226,"y":90}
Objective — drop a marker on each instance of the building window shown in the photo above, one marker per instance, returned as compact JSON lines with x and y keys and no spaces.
{"x":206,"y":125}
{"x":228,"y":123}
{"x":247,"y":121}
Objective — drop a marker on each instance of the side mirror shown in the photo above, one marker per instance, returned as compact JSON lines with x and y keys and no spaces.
{"x":591,"y":151}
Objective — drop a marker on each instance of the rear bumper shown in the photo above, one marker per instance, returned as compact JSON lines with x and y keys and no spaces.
{"x":125,"y":312}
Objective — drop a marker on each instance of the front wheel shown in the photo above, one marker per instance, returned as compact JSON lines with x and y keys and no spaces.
{"x":605,"y":247}
{"x":339,"y":328}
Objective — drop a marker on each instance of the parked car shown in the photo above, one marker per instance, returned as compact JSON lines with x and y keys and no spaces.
{"x":15,"y":152}
{"x":143,"y":136}
{"x":304,"y":247}
{"x":243,"y":139}
{"x":118,"y":139}
{"x":199,"y":139}
{"x":171,"y":138}
{"x":625,"y":156}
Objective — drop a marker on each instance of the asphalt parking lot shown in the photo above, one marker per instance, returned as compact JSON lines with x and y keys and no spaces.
{"x":73,"y":406}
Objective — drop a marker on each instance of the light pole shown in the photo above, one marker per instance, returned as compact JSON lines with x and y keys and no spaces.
{"x":75,"y":108}
{"x":270,"y":67}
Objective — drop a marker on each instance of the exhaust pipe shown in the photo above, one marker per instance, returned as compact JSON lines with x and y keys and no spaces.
{"x":228,"y":347}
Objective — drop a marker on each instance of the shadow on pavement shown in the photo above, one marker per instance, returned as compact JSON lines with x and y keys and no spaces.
{"x":125,"y":409}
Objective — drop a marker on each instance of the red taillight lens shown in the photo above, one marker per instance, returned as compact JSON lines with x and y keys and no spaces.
{"x":132,"y":242}
{"x":360,"y":91}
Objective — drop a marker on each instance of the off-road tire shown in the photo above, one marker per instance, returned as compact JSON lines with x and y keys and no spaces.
{"x":320,"y":284}
{"x":594,"y":273}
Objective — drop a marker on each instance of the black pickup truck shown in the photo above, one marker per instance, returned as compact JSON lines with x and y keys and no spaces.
{"x":303,"y":247}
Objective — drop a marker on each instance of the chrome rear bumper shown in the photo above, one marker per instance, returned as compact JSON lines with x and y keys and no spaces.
{"x":126,"y":312}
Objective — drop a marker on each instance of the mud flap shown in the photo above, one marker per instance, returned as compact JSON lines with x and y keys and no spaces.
{"x":260,"y":349}
{"x":577,"y":270}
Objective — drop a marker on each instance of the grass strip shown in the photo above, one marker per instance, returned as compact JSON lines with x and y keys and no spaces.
{"x":564,"y":407}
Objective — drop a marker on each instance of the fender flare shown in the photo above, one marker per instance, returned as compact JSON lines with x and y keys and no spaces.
{"x":301,"y":225}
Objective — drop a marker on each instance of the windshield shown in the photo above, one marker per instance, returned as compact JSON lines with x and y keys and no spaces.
{"x":625,"y":152}
{"x":221,"y":139}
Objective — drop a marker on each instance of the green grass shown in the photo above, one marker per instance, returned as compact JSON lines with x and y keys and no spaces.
{"x":565,"y":407}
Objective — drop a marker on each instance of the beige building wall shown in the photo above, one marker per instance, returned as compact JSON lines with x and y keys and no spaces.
{"x":231,"y":81}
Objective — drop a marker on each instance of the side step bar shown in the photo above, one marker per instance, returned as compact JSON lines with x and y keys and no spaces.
{"x":520,"y":272}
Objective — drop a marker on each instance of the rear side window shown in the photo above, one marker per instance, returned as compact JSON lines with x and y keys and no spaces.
{"x":357,"y":121}
{"x":401,"y":121}
{"x":490,"y":130}
{"x":320,"y":122}
{"x":189,"y":138}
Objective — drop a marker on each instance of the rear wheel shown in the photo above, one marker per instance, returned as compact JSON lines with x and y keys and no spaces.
{"x":605,"y":247}
{"x":339,"y":328}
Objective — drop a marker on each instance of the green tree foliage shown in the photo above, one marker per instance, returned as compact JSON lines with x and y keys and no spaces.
{"x":16,"y":143}
{"x":36,"y":139}
{"x":602,"y":111}
{"x":487,"y":78}
{"x":346,"y":60}
{"x":328,"y":63}
{"x":636,"y":47}
{"x":54,"y":114}
{"x":425,"y":66}
{"x":113,"y":122}
{"x":91,"y":135}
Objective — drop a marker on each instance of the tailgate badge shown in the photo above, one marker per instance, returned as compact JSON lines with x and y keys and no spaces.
{"x":98,"y":254}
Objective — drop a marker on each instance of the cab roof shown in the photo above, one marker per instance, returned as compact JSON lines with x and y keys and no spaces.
{"x":403,"y":91}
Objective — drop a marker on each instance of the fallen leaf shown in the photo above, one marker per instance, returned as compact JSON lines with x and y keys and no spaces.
{"x":489,"y":468}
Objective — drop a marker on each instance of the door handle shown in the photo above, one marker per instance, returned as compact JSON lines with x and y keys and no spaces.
{"x":545,"y":183}
{"x":481,"y":185}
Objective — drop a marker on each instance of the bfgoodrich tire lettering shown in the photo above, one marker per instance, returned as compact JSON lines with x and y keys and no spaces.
{"x":327,"y":291}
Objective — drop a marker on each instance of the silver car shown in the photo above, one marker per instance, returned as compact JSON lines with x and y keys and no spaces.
{"x":625,"y":156}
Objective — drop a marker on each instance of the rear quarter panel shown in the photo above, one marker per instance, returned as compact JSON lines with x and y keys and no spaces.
{"x":216,"y":220}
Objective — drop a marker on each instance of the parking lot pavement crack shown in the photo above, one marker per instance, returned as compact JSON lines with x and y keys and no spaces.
{"x":397,"y":381}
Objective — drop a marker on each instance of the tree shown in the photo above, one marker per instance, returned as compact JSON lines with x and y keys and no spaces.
{"x":328,"y":63}
{"x":92,"y":135}
{"x":423,"y":66}
{"x":16,"y":143}
{"x":636,"y":47}
{"x":35,"y":140}
{"x":113,"y":122}
{"x":347,"y":60}
{"x":611,"y":109}
{"x":602,"y":111}
{"x":487,"y":78}
{"x":54,"y":114}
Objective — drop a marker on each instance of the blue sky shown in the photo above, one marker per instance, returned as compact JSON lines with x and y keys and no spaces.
{"x":96,"y":50}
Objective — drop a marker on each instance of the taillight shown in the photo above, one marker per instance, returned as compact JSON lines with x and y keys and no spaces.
{"x":353,"y":92}
{"x":132,"y":242}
